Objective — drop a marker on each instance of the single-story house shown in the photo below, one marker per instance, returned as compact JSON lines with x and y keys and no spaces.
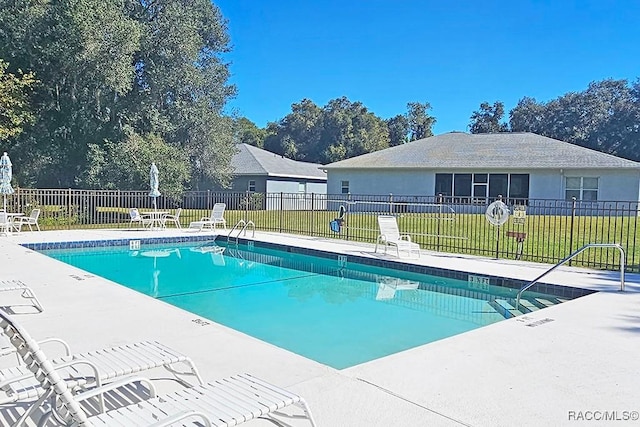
{"x":258,"y":171}
{"x":478,"y":168}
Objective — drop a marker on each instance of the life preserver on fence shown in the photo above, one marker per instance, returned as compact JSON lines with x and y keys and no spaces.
{"x":341,"y":212}
{"x":497,"y":213}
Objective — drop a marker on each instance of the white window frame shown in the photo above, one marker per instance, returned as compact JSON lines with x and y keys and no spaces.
{"x":302,"y":190}
{"x":344,"y":185}
{"x":251,"y":186}
{"x":581,"y":188}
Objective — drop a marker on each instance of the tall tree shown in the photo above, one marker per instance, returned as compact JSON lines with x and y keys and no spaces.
{"x":350,"y":130}
{"x":246,"y":132}
{"x":488,"y":119}
{"x":420,"y":122}
{"x":107,"y":69}
{"x":299,"y":132}
{"x":528,"y":116}
{"x":604,"y":117}
{"x":15,"y":112}
{"x":398,"y":130}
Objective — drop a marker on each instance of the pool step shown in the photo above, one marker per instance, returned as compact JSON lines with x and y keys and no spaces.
{"x":503,"y":307}
{"x":547,"y":302}
{"x":526,"y":306}
{"x":507,"y":307}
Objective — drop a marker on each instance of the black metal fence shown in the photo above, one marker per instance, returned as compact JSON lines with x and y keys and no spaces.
{"x":537,"y":230}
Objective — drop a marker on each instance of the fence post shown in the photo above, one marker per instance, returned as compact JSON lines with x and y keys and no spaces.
{"x":246,"y":204}
{"x":498,"y":234}
{"x":348,"y":220}
{"x":390,"y":203}
{"x":573,"y":217}
{"x":69,"y":209}
{"x":312,"y":222}
{"x":281,"y":210}
{"x":438,"y":221}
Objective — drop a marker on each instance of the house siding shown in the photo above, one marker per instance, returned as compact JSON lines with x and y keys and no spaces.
{"x":614,"y":185}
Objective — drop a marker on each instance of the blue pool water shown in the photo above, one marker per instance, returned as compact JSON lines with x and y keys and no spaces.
{"x":312,"y":306}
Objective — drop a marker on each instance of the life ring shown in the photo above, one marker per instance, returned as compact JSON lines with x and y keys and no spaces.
{"x":497,"y":213}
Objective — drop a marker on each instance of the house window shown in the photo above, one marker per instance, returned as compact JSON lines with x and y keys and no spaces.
{"x":582,"y":188}
{"x":462,"y":185}
{"x":252,"y":186}
{"x":345,"y":187}
{"x":480,"y":181}
{"x":498,"y":185}
{"x":519,"y":186}
{"x":302,"y":190}
{"x":444,"y":184}
{"x":481,"y":186}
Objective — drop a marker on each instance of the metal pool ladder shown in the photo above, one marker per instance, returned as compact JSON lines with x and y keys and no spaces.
{"x":582,"y":249}
{"x":241,"y":226}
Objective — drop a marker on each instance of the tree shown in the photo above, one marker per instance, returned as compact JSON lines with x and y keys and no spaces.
{"x":420,"y":122}
{"x":604,"y":117}
{"x":246,"y":132}
{"x":343,"y":129}
{"x":398,"y":127}
{"x":528,"y":116}
{"x":350,"y":130}
{"x":108,"y":70}
{"x":488,"y":119}
{"x":15,"y":112}
{"x":297,"y":135}
{"x":125,"y":165}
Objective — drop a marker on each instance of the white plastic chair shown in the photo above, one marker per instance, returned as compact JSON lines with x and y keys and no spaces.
{"x":216,"y":218}
{"x":137,"y":217}
{"x":227,"y":402}
{"x":27,"y":220}
{"x":390,"y":236}
{"x":173,"y":218}
{"x":5,"y":224}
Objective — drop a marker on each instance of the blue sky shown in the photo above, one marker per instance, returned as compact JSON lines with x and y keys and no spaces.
{"x":451,"y":54}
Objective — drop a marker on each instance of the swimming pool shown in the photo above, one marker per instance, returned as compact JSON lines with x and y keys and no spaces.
{"x":340,"y":314}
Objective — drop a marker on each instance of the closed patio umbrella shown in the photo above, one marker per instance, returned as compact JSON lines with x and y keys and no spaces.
{"x":5,"y":178}
{"x":154,"y":183}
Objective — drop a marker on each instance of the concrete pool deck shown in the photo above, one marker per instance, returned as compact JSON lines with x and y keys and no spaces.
{"x":556,"y":366}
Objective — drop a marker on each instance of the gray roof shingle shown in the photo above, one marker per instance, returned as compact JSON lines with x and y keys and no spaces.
{"x":250,"y":160}
{"x":491,"y":151}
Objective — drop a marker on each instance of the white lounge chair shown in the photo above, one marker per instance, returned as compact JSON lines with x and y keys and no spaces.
{"x":227,"y":402}
{"x":173,"y":218}
{"x":27,"y":220}
{"x":26,"y":292}
{"x":94,"y":368}
{"x":216,"y":218}
{"x":390,"y":236}
{"x":137,"y":217}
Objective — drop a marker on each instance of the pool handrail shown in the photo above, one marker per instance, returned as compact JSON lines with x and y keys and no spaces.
{"x":242,"y":230}
{"x":582,"y":249}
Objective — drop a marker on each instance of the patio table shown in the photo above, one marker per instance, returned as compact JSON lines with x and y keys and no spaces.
{"x":157,"y":219}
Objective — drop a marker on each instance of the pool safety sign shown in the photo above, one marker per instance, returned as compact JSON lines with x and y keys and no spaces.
{"x":519,"y":214}
{"x":497,"y":213}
